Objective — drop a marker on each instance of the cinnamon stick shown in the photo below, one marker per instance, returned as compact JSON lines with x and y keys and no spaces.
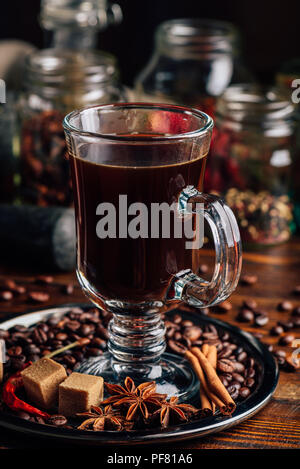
{"x":211,"y":355}
{"x":216,"y":387}
{"x":205,"y":349}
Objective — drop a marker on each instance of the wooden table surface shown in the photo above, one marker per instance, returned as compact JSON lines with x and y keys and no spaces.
{"x":278,"y":270}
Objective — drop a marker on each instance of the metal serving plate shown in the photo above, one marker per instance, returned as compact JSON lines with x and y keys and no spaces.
{"x":268,"y":378}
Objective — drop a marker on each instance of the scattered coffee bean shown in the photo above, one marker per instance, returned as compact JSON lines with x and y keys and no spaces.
{"x":286,"y":339}
{"x":296,"y":322}
{"x":225,"y":366}
{"x":285,"y":306}
{"x":250,"y":304}
{"x":276,"y":330}
{"x":223,"y":307}
{"x":6,"y":295}
{"x":261,"y":320}
{"x":248,"y":279}
{"x":286,"y":325}
{"x":244,"y":392}
{"x":296,"y":311}
{"x":68,"y":289}
{"x":57,"y":420}
{"x":38,"y":297}
{"x":245,"y":315}
{"x":44,"y":279}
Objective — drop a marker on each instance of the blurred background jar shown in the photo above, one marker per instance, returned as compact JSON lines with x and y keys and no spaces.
{"x":56,"y":82}
{"x":252,"y":156}
{"x":75,"y":24}
{"x":288,"y":78}
{"x":193,"y":62}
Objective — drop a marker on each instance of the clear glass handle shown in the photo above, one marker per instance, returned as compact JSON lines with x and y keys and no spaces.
{"x":188,"y":286}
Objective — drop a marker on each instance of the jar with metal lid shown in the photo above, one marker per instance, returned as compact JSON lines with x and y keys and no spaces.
{"x":56,"y":82}
{"x":194,"y":61}
{"x":251,"y":159}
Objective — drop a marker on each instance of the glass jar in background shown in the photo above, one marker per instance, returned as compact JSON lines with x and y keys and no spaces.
{"x":56,"y":82}
{"x":252,"y":158}
{"x":74,"y":24}
{"x":288,"y":78}
{"x":193,"y":62}
{"x":7,"y":149}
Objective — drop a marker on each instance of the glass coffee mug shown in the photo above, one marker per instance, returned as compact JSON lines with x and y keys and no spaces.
{"x":137,"y":173}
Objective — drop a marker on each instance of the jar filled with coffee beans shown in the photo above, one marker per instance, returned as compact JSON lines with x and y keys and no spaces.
{"x":56,"y":82}
{"x":251,"y":161}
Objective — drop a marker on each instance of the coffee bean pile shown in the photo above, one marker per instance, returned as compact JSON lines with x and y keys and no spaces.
{"x":236,"y":369}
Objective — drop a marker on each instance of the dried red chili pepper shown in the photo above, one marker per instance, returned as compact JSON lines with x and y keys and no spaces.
{"x":12,"y":401}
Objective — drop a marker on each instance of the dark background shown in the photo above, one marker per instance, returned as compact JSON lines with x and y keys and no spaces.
{"x":270,"y":29}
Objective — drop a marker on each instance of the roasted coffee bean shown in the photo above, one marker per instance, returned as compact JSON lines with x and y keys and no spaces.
{"x":19,"y":290}
{"x":261,"y":320}
{"x":4,"y":334}
{"x":296,"y":311}
{"x":39,"y":336}
{"x":245,"y":315}
{"x":69,"y":360}
{"x":280,"y":353}
{"x":170,"y":332}
{"x":232,"y":388}
{"x":98,"y":343}
{"x":72,"y":325}
{"x":102,"y":332}
{"x":57,"y":420}
{"x":59,"y":336}
{"x":296,"y":322}
{"x":38,"y":296}
{"x":223,"y":307}
{"x":68,"y":289}
{"x":250,"y":382}
{"x":285,"y":306}
{"x":14,"y":351}
{"x":248,"y":279}
{"x":286,"y":339}
{"x":6,"y":295}
{"x":177,"y":318}
{"x":223,"y":380}
{"x":23,"y":415}
{"x":192,"y":333}
{"x":176,"y":335}
{"x":237,"y":377}
{"x":276,"y":330}
{"x":204,"y":311}
{"x":250,"y":304}
{"x":44,"y":279}
{"x":17,"y":362}
{"x":225,"y":352}
{"x":270,"y":348}
{"x":93,"y":352}
{"x":225,"y":366}
{"x":238,"y":367}
{"x":244,"y":392}
{"x":242,"y":356}
{"x":286,"y":325}
{"x":177,"y":347}
{"x":187,"y":323}
{"x":32,"y":349}
{"x":7,"y":284}
{"x":86,"y":329}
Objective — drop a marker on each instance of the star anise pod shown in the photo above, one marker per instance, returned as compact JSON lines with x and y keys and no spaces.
{"x":172,"y":410}
{"x":139,"y":401}
{"x":103,"y":419}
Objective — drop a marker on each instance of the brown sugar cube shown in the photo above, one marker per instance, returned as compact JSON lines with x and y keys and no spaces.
{"x":79,"y":392}
{"x":41,"y":380}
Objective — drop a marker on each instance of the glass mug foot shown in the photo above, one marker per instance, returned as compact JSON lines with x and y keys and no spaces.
{"x":172,"y":374}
